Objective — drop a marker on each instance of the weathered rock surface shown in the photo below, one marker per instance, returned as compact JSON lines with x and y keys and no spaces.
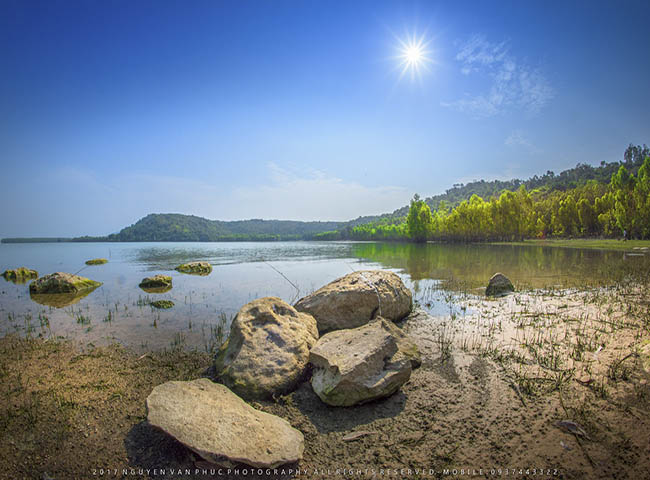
{"x":157,"y":282}
{"x":357,"y":298}
{"x":499,"y":285}
{"x":61,"y":282}
{"x":220,"y":427}
{"x":267,"y":351}
{"x":195,"y":268}
{"x":96,"y":261}
{"x":358,"y":365}
{"x":20,"y":275}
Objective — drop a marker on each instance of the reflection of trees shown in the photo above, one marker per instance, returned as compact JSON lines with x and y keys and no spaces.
{"x":535,"y":266}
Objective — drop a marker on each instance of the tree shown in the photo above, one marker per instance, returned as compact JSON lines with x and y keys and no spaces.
{"x":419,"y":221}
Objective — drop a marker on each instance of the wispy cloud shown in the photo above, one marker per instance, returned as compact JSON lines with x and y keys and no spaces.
{"x":512,"y":82}
{"x":518,"y":140}
{"x":315,"y":194}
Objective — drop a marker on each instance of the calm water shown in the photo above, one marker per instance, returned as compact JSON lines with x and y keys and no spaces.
{"x":119,"y":310}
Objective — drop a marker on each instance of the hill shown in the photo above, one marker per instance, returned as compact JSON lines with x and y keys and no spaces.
{"x":173,"y":227}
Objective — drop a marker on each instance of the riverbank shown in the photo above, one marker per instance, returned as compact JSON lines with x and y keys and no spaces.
{"x":495,"y":381}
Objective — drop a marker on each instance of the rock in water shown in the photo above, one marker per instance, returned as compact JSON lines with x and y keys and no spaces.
{"x":195,"y":268}
{"x":357,"y":298}
{"x":20,"y":275}
{"x":220,"y":427}
{"x":358,"y":365}
{"x":61,"y":282}
{"x":157,"y":281}
{"x":267,"y":351}
{"x":499,"y":285}
{"x":96,"y":261}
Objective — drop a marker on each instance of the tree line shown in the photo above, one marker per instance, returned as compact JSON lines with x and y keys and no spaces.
{"x":591,"y":209}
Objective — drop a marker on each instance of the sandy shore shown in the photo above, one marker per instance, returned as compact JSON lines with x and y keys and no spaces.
{"x":495,"y":381}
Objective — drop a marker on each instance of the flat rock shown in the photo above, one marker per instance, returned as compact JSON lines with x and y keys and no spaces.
{"x":359,"y":365}
{"x":96,"y":261}
{"x":195,"y":268}
{"x":220,"y":427}
{"x":60,"y":282}
{"x":357,"y":298}
{"x":267,"y":351}
{"x":499,"y":285}
{"x":157,"y":282}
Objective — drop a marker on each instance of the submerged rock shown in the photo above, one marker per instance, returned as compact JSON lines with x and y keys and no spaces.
{"x":195,"y":268}
{"x":357,"y":298}
{"x":499,"y":285}
{"x":60,"y":282}
{"x":96,"y":261}
{"x":220,"y":427}
{"x":267,"y":351}
{"x":162,"y":304}
{"x":20,"y":275}
{"x":359,"y":365}
{"x":158,"y":282}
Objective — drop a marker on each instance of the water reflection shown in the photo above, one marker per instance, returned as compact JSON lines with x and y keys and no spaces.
{"x":534,"y":266}
{"x":59,"y":300}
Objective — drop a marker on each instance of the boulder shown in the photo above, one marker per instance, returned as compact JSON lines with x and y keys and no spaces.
{"x":20,"y":275}
{"x":156,"y":282}
{"x":267,"y":351}
{"x":359,"y":365}
{"x":220,"y":427}
{"x":195,"y":268}
{"x":499,"y":285}
{"x":357,"y":298}
{"x":61,"y":282}
{"x":96,"y":261}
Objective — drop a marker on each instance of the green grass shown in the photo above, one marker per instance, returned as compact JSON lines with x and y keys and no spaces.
{"x":593,"y":243}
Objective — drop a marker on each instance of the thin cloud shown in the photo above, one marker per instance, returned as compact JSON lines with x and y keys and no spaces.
{"x":513,"y":84}
{"x":518,"y":140}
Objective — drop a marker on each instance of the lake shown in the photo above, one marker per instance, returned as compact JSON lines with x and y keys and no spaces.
{"x":242,"y":271}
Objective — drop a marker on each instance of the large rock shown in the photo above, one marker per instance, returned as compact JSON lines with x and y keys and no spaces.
{"x":61,"y":282}
{"x":358,"y":365}
{"x":195,"y":268}
{"x":499,"y":285}
{"x":267,"y":351}
{"x":357,"y":298}
{"x":220,"y":427}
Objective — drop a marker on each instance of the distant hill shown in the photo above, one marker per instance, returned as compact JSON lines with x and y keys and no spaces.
{"x":173,"y":227}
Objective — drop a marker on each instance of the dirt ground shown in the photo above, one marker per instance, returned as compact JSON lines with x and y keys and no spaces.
{"x":476,"y":407}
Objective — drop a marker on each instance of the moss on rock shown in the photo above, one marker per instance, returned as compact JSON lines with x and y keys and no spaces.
{"x":20,"y":275}
{"x":195,"y":268}
{"x":162,"y":304}
{"x":96,"y":261}
{"x":61,"y":282}
{"x":156,"y":282}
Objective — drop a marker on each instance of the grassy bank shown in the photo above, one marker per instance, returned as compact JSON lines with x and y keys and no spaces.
{"x":592,"y":243}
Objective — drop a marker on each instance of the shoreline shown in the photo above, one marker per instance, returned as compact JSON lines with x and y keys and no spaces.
{"x":476,"y":404}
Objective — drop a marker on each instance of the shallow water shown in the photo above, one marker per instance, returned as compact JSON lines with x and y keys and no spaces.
{"x":204,"y":305}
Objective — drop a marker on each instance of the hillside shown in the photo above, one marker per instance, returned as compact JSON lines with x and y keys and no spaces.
{"x":173,"y":227}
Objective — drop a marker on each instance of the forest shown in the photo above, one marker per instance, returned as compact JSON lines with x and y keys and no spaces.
{"x":577,"y":203}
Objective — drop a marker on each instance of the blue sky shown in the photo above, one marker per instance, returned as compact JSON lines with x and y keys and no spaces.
{"x":296,"y":110}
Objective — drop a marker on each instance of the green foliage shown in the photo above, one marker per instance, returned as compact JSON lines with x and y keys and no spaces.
{"x":592,"y":209}
{"x":419,"y":222}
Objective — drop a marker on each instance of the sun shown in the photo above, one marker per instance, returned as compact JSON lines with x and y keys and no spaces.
{"x":413,"y":55}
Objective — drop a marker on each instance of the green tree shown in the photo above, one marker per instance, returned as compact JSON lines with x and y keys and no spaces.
{"x":419,"y":221}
